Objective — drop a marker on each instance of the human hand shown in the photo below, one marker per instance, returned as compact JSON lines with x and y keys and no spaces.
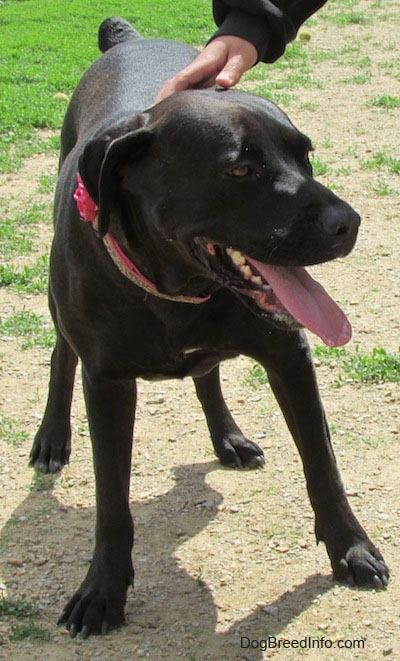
{"x":223,"y":61}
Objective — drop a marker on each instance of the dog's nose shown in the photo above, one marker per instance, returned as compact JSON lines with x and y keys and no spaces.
{"x":340,"y":220}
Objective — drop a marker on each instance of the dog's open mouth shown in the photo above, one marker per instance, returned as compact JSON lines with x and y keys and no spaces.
{"x":288,"y":293}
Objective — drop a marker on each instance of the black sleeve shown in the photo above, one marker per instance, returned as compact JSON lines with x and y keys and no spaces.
{"x":266,"y":24}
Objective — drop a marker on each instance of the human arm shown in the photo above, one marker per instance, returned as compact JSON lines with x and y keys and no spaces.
{"x":248,"y":31}
{"x":223,"y":61}
{"x":269,"y":25}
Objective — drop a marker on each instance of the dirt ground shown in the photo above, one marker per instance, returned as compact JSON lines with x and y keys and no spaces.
{"x":225,"y":557}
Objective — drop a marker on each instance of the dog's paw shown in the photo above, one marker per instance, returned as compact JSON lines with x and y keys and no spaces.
{"x":88,"y":612}
{"x":362,"y":566}
{"x":237,"y":451}
{"x":50,"y":452}
{"x":97,"y":607}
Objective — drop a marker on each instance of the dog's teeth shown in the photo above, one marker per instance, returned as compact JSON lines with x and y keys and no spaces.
{"x":236,"y":257}
{"x":257,"y":280}
{"x":246,"y":271}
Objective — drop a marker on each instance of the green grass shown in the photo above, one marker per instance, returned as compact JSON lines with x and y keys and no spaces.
{"x":343,"y":18}
{"x":19,"y":608}
{"x":35,"y":330}
{"x":387,"y":102}
{"x":353,"y":438}
{"x":30,"y":631}
{"x":29,"y":279}
{"x":379,"y":366}
{"x":41,"y":483}
{"x":17,"y":228}
{"x":47,"y":183}
{"x":256,"y":377}
{"x":382,"y":160}
{"x":47,"y":44}
{"x":382,"y":189}
{"x":319,"y":167}
{"x":10,"y":432}
{"x":358,"y":79}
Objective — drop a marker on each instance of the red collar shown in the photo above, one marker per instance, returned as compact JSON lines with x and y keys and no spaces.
{"x":88,"y":211}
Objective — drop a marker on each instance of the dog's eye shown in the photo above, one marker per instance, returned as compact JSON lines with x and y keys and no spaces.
{"x":239,"y":171}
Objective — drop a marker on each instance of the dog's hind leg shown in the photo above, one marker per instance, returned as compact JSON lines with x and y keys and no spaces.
{"x":230,"y":445}
{"x":52,"y":445}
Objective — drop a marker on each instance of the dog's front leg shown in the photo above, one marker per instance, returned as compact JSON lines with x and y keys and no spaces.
{"x":99,"y":603}
{"x":353,"y":556}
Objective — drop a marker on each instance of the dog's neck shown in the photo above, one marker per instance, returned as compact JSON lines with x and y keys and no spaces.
{"x":88,"y":211}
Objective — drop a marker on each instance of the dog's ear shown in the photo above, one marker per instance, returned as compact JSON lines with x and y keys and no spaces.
{"x":102,"y":157}
{"x":122,"y":150}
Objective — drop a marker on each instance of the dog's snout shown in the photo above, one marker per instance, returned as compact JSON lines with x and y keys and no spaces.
{"x":340,"y":220}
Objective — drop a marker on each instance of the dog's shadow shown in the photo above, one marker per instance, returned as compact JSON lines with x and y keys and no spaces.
{"x":172,"y":601}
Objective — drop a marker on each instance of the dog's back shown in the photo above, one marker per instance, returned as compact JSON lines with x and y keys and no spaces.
{"x":124,"y":80}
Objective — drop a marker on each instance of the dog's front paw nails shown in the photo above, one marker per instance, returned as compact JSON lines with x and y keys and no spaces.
{"x":89,"y":614}
{"x":94,"y":609}
{"x":362,"y":566}
{"x":50,"y":452}
{"x":236,"y":450}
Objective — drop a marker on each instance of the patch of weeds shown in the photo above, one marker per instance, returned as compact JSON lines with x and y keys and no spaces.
{"x":30,"y":630}
{"x":34,"y":328}
{"x":41,"y":482}
{"x":32,"y":215}
{"x":351,"y":18}
{"x":257,"y":377}
{"x":295,"y":80}
{"x":30,"y":279}
{"x":344,"y":170}
{"x":16,"y":146}
{"x":15,"y":238}
{"x":17,"y":607}
{"x":311,"y":106}
{"x":319,"y":167}
{"x":353,"y":438}
{"x":13,"y":241}
{"x":290,"y":81}
{"x":9,"y":432}
{"x":383,"y":189}
{"x":351,"y":49}
{"x":294,"y":58}
{"x":363,"y":62}
{"x":387,"y":102}
{"x":321,"y":56}
{"x":47,"y":183}
{"x":358,"y":79}
{"x":377,"y":367}
{"x":382,"y":160}
{"x":280,"y":98}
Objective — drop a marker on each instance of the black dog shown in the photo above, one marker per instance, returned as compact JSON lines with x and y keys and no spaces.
{"x":200,"y":214}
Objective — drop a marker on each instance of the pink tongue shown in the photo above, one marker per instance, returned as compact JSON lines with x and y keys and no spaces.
{"x":307,"y":301}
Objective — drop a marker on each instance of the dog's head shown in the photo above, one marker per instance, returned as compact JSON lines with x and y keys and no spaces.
{"x":215,"y":188}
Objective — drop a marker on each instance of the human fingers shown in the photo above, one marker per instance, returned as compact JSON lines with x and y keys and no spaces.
{"x":199,"y":73}
{"x":241,"y":56}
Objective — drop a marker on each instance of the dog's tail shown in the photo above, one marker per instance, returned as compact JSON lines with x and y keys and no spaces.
{"x":114,"y":31}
